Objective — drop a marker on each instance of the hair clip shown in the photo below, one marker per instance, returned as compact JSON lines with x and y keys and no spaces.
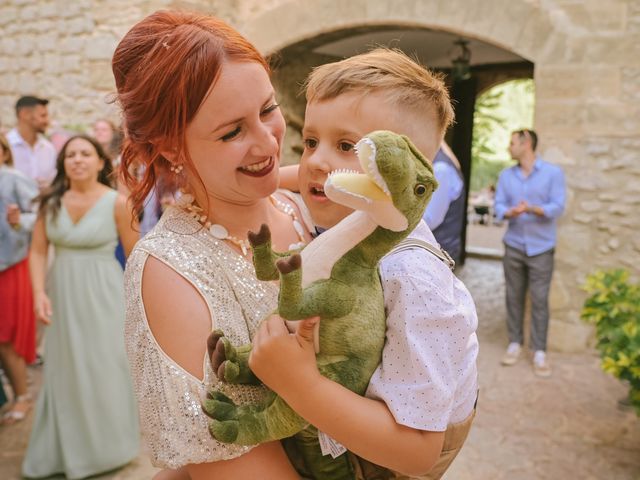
{"x":166,"y":45}
{"x":177,"y":169}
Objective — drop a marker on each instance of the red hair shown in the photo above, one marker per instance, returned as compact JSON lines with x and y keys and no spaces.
{"x":163,"y":68}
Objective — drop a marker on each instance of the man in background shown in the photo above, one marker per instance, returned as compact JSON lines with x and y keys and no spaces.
{"x":531,"y":196}
{"x":33,"y":154}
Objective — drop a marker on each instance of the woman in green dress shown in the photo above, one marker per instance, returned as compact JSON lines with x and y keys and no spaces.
{"x":85,"y":419}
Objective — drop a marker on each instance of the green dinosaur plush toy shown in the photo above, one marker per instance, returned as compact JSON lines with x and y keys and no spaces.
{"x":335,"y":277}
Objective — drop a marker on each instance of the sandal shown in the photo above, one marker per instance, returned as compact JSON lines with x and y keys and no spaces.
{"x":16,"y":413}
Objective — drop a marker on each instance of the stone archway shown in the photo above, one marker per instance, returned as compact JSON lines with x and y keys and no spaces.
{"x":553,"y":37}
{"x":499,"y":22}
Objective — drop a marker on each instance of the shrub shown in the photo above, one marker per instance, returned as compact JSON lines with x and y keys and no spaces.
{"x":613,"y":307}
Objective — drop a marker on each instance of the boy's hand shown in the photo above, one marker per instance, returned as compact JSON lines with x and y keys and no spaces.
{"x":284,"y":361}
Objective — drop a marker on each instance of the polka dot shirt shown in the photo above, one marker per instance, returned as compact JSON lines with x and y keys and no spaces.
{"x":428,"y":374}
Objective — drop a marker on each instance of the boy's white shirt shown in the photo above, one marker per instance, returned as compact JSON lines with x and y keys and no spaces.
{"x":428,"y":375}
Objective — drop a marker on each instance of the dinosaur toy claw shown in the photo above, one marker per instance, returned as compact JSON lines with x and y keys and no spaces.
{"x":288,"y":265}
{"x":262,"y":237}
{"x":219,"y":407}
{"x":225,"y":432}
{"x":212,"y":342}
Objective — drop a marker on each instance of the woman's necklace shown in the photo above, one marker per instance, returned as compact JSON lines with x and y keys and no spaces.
{"x":186,"y":201}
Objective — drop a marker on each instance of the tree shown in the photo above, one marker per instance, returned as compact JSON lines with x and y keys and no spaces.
{"x":498,"y":111}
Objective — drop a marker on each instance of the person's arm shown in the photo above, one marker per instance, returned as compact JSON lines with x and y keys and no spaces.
{"x":286,"y":363}
{"x":24,"y":217}
{"x":501,"y":204}
{"x":518,"y":210}
{"x":289,"y":178}
{"x":555,"y":206}
{"x":180,"y":321}
{"x":125,"y":223}
{"x":439,"y":203}
{"x":267,"y":461}
{"x":38,"y":271}
{"x":25,"y":220}
{"x":13,"y":215}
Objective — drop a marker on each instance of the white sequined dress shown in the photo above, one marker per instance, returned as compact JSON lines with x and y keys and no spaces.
{"x":169,"y":398}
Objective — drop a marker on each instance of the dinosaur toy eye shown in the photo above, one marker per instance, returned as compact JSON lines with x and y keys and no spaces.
{"x":420,"y":189}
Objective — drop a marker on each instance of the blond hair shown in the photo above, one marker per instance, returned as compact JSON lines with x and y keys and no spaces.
{"x":6,"y":150}
{"x":404,"y":81}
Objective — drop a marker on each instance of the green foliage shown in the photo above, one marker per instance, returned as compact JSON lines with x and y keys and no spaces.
{"x":614,"y":307}
{"x":486,"y":120}
{"x":498,"y":111}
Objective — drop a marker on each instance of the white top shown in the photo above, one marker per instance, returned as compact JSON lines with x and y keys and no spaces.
{"x":428,"y":375}
{"x":37,"y":162}
{"x":174,"y":428}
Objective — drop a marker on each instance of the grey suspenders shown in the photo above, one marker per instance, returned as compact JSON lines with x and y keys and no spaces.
{"x":409,"y":243}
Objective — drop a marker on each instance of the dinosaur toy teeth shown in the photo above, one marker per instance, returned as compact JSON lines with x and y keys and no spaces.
{"x":354,"y":189}
{"x":366,"y":152}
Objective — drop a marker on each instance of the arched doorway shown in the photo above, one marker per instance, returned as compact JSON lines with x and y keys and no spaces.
{"x":484,"y":63}
{"x":500,"y":109}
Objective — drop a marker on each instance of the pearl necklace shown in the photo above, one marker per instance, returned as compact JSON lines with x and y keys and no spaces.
{"x":186,"y":202}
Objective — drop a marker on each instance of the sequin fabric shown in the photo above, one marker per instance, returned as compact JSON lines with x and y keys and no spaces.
{"x":169,"y":398}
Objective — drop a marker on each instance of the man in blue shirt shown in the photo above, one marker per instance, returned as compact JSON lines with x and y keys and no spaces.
{"x":445,"y":212}
{"x":531,"y":196}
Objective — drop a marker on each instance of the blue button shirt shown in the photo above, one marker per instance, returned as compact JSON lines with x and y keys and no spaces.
{"x":545,"y":188}
{"x":449,"y":188}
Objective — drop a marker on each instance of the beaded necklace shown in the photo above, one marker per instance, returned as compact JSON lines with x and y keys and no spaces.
{"x":186,"y":201}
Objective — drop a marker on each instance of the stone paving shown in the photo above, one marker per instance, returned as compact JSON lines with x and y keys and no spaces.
{"x":564,"y":427}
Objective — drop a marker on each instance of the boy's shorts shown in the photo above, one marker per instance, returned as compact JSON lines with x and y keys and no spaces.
{"x":454,"y":437}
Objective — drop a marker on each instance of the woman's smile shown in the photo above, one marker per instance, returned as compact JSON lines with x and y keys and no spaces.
{"x":259,"y":169}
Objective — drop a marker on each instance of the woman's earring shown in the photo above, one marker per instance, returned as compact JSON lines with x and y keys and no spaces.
{"x":176,"y":168}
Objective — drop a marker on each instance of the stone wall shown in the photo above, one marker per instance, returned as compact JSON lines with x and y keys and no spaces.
{"x":62,"y":50}
{"x":588,"y":115}
{"x":587,"y":70}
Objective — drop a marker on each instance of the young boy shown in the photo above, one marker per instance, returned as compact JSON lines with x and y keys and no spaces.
{"x":421,"y":399}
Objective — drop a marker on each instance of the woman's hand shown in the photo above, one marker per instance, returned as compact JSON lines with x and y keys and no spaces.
{"x":42,"y":308}
{"x":284,"y":361}
{"x":13,"y":215}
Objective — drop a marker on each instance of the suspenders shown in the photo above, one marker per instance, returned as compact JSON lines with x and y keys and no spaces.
{"x":409,"y":243}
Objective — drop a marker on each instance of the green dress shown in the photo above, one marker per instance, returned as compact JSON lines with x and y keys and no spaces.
{"x":85,"y":417}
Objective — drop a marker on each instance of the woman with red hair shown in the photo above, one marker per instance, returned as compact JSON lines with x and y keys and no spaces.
{"x":200,"y":113}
